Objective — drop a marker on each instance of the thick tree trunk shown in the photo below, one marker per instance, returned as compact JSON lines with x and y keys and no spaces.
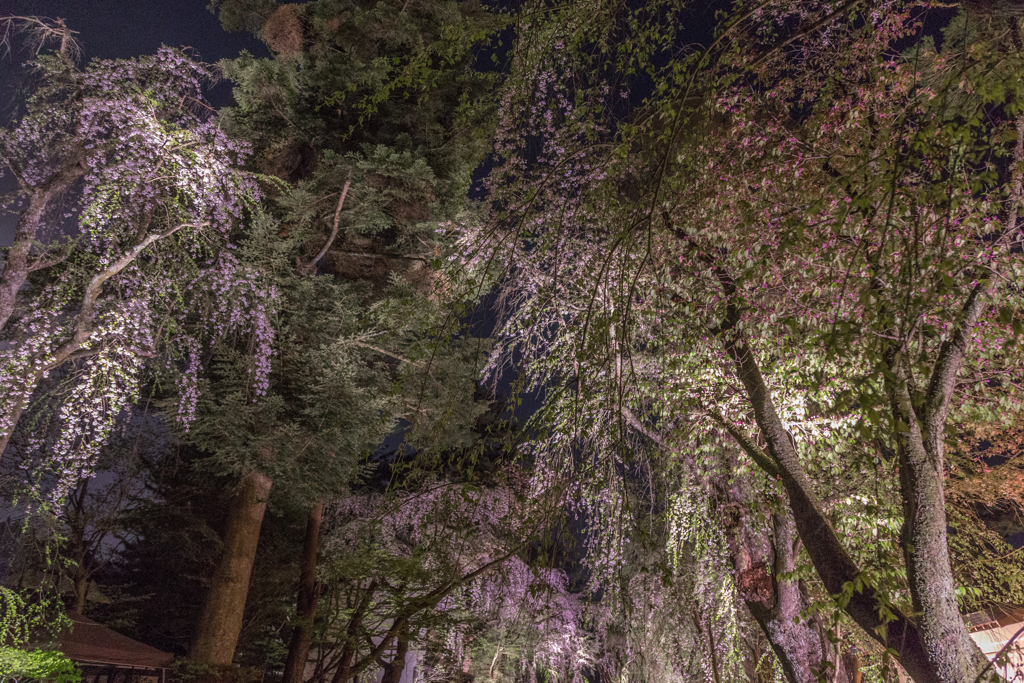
{"x":759,"y":558}
{"x":221,"y":622}
{"x":925,"y":545}
{"x":801,"y":645}
{"x":309,"y":593}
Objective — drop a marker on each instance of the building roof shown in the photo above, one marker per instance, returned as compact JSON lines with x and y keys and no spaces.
{"x":89,"y":642}
{"x":994,"y":617}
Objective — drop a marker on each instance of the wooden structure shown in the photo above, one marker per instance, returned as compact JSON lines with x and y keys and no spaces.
{"x":105,"y":656}
{"x":991,"y":629}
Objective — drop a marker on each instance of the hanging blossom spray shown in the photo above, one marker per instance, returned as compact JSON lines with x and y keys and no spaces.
{"x":128,"y":193}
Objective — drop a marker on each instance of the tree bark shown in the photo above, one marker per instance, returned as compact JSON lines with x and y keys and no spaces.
{"x":16,"y":265}
{"x":393,"y":671}
{"x":309,"y":593}
{"x":221,"y":621}
{"x":759,"y":559}
{"x":925,"y":545}
{"x":801,"y":645}
{"x":912,"y":641}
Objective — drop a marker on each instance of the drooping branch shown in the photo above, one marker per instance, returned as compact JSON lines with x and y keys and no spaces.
{"x":84,"y":320}
{"x":386,"y":353}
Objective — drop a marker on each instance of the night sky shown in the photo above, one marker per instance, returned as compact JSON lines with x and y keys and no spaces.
{"x":129,"y":28}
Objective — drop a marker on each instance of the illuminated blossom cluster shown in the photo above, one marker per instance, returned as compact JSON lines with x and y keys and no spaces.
{"x":531,"y":609}
{"x":135,"y":238}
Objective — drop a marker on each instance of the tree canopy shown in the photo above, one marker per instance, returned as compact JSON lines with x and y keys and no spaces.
{"x":764,"y":294}
{"x":803,"y":245}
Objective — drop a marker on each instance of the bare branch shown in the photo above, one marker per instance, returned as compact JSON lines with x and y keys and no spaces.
{"x":40,"y":31}
{"x":309,"y":267}
{"x":56,"y":256}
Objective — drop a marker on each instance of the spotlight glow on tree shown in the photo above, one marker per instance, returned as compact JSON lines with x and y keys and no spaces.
{"x":127,"y":195}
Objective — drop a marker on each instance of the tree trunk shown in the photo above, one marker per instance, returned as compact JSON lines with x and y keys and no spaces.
{"x":393,"y":671}
{"x":934,"y":648}
{"x":759,"y":558}
{"x":16,"y":265}
{"x":221,"y":622}
{"x":309,"y":593}
{"x":919,"y":644}
{"x":349,"y":648}
{"x":81,"y":591}
{"x":801,"y":645}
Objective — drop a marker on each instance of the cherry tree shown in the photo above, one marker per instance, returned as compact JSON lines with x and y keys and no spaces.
{"x":400,"y":566}
{"x":515,"y":623}
{"x":127,"y":195}
{"x":805,"y":246}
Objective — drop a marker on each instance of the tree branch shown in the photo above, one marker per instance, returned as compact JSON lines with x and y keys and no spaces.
{"x":84,"y":322}
{"x":386,"y":353}
{"x":829,"y":556}
{"x":954,"y":349}
{"x":639,"y":426}
{"x":760,"y":458}
{"x":309,"y":267}
{"x":48,"y":261}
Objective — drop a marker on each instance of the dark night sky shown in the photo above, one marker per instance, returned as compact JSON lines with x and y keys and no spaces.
{"x":129,"y":28}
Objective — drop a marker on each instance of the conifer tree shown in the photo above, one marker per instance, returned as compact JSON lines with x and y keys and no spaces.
{"x":374,"y":119}
{"x":127,"y":195}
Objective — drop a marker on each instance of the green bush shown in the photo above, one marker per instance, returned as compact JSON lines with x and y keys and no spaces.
{"x":22,"y":666}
